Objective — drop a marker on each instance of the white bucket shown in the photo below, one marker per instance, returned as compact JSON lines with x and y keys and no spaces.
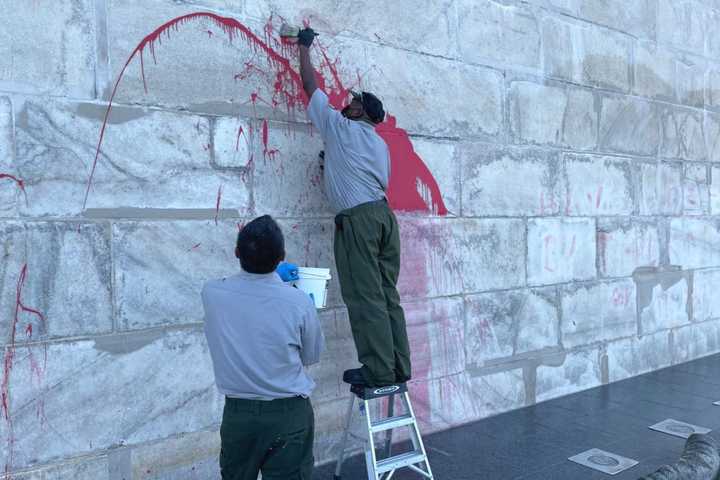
{"x":314,"y":282}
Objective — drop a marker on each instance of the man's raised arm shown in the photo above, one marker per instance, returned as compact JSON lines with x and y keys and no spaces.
{"x":307,"y":72}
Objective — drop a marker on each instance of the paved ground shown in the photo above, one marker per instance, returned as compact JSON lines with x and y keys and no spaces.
{"x":535,"y":442}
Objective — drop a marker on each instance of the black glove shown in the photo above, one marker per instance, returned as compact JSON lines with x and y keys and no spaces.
{"x":306,"y":37}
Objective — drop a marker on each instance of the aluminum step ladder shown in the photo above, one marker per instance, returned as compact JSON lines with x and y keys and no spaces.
{"x":384,"y":468}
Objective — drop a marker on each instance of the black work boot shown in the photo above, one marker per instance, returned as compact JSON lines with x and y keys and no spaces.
{"x":354,"y":376}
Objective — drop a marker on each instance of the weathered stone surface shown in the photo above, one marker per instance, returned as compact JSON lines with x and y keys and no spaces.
{"x":712,"y":93}
{"x":297,"y":159}
{"x":474,"y":108}
{"x":85,"y":469}
{"x":714,"y":190}
{"x":503,"y":324}
{"x":629,"y":125}
{"x":598,"y":312}
{"x":655,"y":71}
{"x":66,"y":279}
{"x":498,"y":392}
{"x":696,"y":194}
{"x":586,"y":54}
{"x":160,"y":268}
{"x":637,"y":17}
{"x":691,"y":79}
{"x":191,"y":68}
{"x":693,"y":243}
{"x":338,"y":356}
{"x":442,"y":159}
{"x":150,"y":159}
{"x":624,"y":245}
{"x":490,"y":183}
{"x":663,"y":299}
{"x":431,"y":263}
{"x":635,"y":355}
{"x":54,"y":54}
{"x":9,"y":190}
{"x":598,"y":186}
{"x":695,"y":341}
{"x":499,"y":33}
{"x":682,"y":134}
{"x":433,"y":32}
{"x":492,"y":254}
{"x":661,"y":189}
{"x":682,"y":24}
{"x":552,"y":115}
{"x":705,"y":301}
{"x":437,"y":337}
{"x":577,"y":371}
{"x":191,"y":455}
{"x":174,"y":399}
{"x":560,"y":250}
{"x":712,"y":136}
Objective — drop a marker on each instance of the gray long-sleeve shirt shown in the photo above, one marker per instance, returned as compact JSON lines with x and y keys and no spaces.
{"x":260,"y":333}
{"x":357,"y":159}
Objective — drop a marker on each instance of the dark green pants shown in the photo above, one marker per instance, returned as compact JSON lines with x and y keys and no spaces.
{"x":367,"y":254}
{"x":273,"y":437}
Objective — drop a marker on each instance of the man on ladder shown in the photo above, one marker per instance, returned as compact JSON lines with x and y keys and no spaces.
{"x":367,"y":240}
{"x":367,"y":255}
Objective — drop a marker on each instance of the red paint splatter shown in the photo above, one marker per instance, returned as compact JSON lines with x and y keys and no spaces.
{"x":9,"y":358}
{"x":217,"y":203}
{"x":289,"y":89}
{"x":412,"y":186}
{"x":194,"y":247}
{"x":407,"y":172}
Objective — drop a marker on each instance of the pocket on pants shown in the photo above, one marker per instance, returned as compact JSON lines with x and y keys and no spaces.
{"x":289,"y":457}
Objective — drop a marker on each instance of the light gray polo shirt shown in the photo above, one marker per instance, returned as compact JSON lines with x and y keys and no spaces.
{"x":357,"y":160}
{"x":261,"y":332}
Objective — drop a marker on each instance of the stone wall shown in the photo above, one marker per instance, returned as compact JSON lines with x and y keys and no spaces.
{"x":575,"y":143}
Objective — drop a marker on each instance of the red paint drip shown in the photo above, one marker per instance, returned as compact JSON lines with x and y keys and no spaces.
{"x":217,"y":203}
{"x":8,"y":362}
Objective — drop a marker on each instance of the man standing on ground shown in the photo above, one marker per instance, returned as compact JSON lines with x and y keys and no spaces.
{"x":261,"y":332}
{"x":367,"y":240}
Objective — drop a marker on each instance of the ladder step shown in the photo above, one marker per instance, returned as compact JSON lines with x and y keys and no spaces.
{"x":399,"y":461}
{"x":391,"y":422}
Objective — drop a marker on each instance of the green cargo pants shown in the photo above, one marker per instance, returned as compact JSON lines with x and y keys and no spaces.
{"x":367,"y":255}
{"x":273,"y":437}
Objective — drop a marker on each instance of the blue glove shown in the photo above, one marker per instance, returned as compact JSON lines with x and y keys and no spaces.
{"x":287,"y":271}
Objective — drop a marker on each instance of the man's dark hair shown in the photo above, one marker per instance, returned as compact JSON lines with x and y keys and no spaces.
{"x":373,"y":107}
{"x":260,"y":245}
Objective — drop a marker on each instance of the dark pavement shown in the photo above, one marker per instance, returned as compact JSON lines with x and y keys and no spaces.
{"x":535,"y":442}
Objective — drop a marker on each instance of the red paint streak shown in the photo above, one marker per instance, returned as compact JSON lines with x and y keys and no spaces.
{"x":572,"y":247}
{"x":8,"y":362}
{"x":265,"y":136}
{"x":621,"y":296}
{"x":237,"y":140}
{"x":548,"y":240}
{"x":408,"y":170}
{"x":598,"y":196}
{"x":217,"y":203}
{"x":194,"y":247}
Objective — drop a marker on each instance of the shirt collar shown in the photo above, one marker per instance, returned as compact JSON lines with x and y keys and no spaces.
{"x":259,"y":277}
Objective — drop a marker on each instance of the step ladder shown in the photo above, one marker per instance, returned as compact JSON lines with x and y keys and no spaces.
{"x":384,"y":468}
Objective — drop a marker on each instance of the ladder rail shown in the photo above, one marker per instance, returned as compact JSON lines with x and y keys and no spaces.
{"x":416,"y":433}
{"x":370,"y":455}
